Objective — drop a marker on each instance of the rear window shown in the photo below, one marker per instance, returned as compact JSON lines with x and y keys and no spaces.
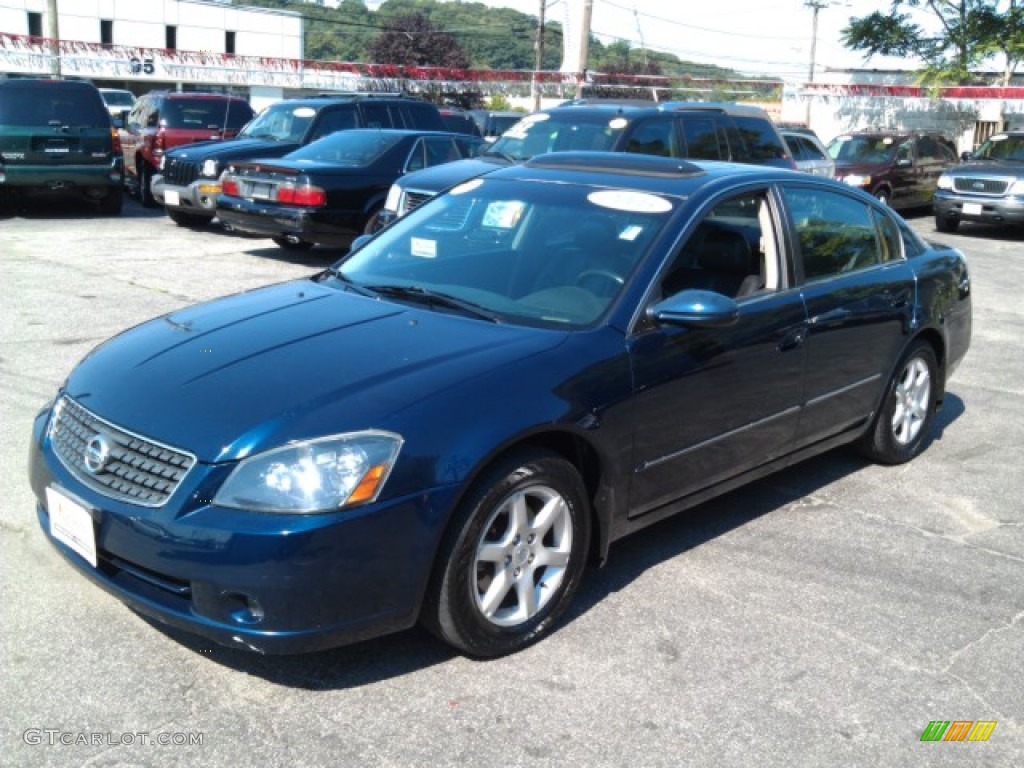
{"x":205,"y":114}
{"x":54,"y":105}
{"x":348,"y":149}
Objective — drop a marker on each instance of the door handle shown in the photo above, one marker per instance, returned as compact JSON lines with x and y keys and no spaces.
{"x":793,"y":339}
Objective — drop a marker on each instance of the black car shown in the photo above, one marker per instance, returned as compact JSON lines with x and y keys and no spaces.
{"x":900,"y":168}
{"x":331,"y":190}
{"x":691,"y":129}
{"x":56,"y":138}
{"x":448,"y":424}
{"x":988,"y":188}
{"x":189,"y":179}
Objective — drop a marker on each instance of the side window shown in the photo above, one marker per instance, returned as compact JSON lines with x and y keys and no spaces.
{"x":810,"y":151}
{"x":890,"y":239}
{"x":653,"y":137}
{"x":341,"y":119}
{"x":417,"y":158}
{"x":701,"y":138}
{"x":440,"y":151}
{"x":733,"y":251}
{"x":905,"y":154}
{"x":836,"y":233}
{"x":153,"y":118}
{"x":760,"y":140}
{"x":376,"y":115}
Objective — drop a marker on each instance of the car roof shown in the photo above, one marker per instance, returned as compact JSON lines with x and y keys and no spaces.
{"x":629,"y":107}
{"x":649,"y":173}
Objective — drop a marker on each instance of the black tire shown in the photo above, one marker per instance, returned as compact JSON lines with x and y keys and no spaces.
{"x":292,"y":243}
{"x":112,"y":202}
{"x":944,"y":224}
{"x":145,"y":179}
{"x":480,"y":598}
{"x":903,"y":422}
{"x":191,"y":220}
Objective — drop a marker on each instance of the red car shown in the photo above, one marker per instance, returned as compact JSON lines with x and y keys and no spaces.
{"x":161,"y":120}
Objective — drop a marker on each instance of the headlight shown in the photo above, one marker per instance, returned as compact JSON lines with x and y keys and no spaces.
{"x":163,"y":161}
{"x":857,"y":180}
{"x":394,"y":195}
{"x":210,"y":168}
{"x":1017,"y":188}
{"x":320,"y":475}
{"x":945,"y":182}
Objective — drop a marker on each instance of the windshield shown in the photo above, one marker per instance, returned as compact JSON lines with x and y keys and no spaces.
{"x":559,"y":131}
{"x":1002,"y":147}
{"x":350,"y":149}
{"x":280,"y":122}
{"x":869,"y":150}
{"x":505,"y":248}
{"x":118,"y":98}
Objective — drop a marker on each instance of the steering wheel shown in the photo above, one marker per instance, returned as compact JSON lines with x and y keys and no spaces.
{"x":594,"y":280}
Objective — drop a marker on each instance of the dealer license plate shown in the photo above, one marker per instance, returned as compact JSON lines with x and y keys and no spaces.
{"x":71,"y":524}
{"x":171,"y":197}
{"x":972,"y":209}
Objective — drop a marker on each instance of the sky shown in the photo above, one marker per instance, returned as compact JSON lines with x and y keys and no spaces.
{"x":768,"y":37}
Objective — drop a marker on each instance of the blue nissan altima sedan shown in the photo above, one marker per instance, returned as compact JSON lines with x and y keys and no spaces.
{"x":448,"y":424}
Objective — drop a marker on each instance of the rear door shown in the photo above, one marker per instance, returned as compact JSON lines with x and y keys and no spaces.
{"x":859,"y":293}
{"x":55,"y":124}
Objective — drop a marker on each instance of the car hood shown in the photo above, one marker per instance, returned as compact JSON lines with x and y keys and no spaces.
{"x":249,"y":372}
{"x":232,"y":149}
{"x":441,"y":177}
{"x":989,"y":168}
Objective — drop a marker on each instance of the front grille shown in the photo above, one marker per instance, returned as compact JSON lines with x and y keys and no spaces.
{"x":180,"y":173}
{"x":414,"y":199}
{"x":136,"y":469}
{"x":981,"y":186}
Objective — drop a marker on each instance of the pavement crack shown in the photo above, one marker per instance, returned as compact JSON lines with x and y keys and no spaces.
{"x":988,"y":633}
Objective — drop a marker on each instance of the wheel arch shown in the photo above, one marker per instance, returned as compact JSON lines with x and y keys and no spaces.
{"x":938,"y":345}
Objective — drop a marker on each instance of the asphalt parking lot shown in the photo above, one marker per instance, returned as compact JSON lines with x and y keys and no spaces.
{"x":821,"y":617}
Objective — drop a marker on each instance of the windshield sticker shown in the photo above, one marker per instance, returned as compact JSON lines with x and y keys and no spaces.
{"x":468,"y":186}
{"x":537,"y":117}
{"x":634,"y":202}
{"x":503,"y":214}
{"x":425,"y":249}
{"x":630,"y":233}
{"x":999,"y":137}
{"x":304,"y":112}
{"x":887,"y":140}
{"x":617,"y":123}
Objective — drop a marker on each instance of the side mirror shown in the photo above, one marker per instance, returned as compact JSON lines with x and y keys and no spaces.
{"x":359,"y":242}
{"x":904,"y":162}
{"x":696,"y":309}
{"x":965,"y":156}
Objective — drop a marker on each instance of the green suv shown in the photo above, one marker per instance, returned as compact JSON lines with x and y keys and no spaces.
{"x":56,"y":137}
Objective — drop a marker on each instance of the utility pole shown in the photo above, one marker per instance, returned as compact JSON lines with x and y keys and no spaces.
{"x":815,"y":6}
{"x":539,"y":60}
{"x":54,"y":35}
{"x":588,"y":7}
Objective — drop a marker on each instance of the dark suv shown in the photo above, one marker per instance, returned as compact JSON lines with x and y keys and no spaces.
{"x":690,"y":129}
{"x":56,"y":137}
{"x":901,"y":168}
{"x":987,"y":188}
{"x":189,"y":179}
{"x":162,"y":120}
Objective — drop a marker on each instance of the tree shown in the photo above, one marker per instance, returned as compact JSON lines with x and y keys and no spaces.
{"x":412,"y":41}
{"x":968,"y":33}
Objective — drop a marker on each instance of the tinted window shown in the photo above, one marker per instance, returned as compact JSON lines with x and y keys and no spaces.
{"x":862,"y":149}
{"x":205,"y":114}
{"x":701,"y":138}
{"x":652,"y":137}
{"x":376,"y":116}
{"x":350,"y":149}
{"x":340,"y":119}
{"x":414,"y":114}
{"x":53,"y":105}
{"x":836,"y":233}
{"x":760,"y":141}
{"x":283,"y":122}
{"x":891,"y":240}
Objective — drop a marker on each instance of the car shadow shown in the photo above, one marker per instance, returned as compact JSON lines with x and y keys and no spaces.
{"x":986,"y":231}
{"x":383,"y":658}
{"x":70,"y":208}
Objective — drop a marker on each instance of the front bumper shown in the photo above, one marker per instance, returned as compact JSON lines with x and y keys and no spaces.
{"x":978,"y":208}
{"x":312,"y":225}
{"x":199,"y":197}
{"x":272,"y":583}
